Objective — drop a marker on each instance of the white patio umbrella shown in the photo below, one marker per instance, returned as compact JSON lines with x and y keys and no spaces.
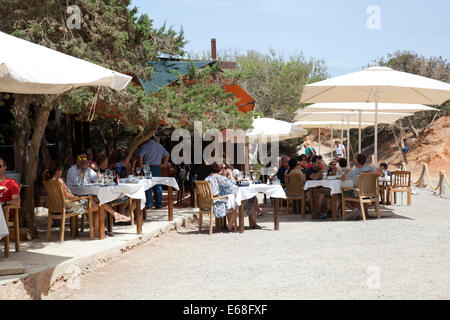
{"x":350,"y":116}
{"x":332,"y":125}
{"x":28,"y":68}
{"x":276,"y":130}
{"x":367,"y":107}
{"x":378,"y":84}
{"x":265,"y":129}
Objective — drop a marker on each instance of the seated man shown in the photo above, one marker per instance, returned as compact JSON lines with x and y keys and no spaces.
{"x":81,"y":173}
{"x":354,"y":176}
{"x":9,"y":188}
{"x":315,"y":173}
{"x":284,"y":167}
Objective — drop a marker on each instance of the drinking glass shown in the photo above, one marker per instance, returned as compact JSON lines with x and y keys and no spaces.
{"x":138,"y":171}
{"x":146,"y":170}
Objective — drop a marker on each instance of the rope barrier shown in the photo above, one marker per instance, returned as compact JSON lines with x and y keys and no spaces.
{"x":420,"y":183}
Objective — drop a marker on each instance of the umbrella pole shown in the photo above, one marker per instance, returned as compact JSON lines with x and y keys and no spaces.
{"x":376,"y":131}
{"x":319,"y":140}
{"x":348,"y":139}
{"x":359,"y":133}
{"x":331,"y":147}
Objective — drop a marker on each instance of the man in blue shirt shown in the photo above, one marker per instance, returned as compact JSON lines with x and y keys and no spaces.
{"x":361,"y":166}
{"x":157,"y":157}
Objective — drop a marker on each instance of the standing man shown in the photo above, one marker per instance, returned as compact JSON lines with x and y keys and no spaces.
{"x":157,"y":157}
{"x":9,"y":188}
{"x":340,"y":150}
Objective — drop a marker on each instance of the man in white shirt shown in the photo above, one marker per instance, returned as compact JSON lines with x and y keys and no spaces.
{"x":81,"y":172}
{"x":340,"y":150}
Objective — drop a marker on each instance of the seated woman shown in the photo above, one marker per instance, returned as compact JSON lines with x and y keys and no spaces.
{"x":251,"y":206}
{"x":221,"y":186}
{"x":54,"y":172}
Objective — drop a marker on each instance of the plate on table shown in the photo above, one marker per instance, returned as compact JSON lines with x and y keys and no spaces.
{"x":332,"y":178}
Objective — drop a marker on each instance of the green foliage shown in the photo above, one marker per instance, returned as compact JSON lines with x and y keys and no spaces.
{"x":276,"y":83}
{"x":111,"y":35}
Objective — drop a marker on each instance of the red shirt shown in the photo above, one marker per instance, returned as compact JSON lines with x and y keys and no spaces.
{"x":8,"y":188}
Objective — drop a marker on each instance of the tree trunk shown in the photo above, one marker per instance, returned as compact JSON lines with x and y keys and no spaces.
{"x":31,"y":168}
{"x":21,"y":113}
{"x":102,"y":136}
{"x":402,"y":133}
{"x":143,"y":137}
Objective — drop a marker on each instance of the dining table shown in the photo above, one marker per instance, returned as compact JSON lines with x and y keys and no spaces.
{"x":3,"y":225}
{"x":335,"y":185}
{"x":242,"y":193}
{"x":133,"y":188}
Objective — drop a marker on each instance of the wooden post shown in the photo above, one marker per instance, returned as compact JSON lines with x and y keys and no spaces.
{"x":441,"y":183}
{"x":334,"y":202}
{"x":276,"y":215}
{"x":101,"y":222}
{"x":170,"y":204}
{"x":241,"y":218}
{"x":139,"y":216}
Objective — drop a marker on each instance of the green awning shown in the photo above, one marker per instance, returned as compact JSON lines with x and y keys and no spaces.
{"x":163,"y":72}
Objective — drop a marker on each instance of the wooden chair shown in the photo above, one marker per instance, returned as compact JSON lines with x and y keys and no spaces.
{"x":400,"y":182}
{"x":205,"y":203}
{"x":295,"y":191}
{"x":57,"y":210}
{"x":15,"y":223}
{"x":368,"y":193}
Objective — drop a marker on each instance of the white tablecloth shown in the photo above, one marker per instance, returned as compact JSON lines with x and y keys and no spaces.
{"x":111,"y":193}
{"x":334,"y":185}
{"x":3,"y":226}
{"x":167,"y":181}
{"x":131,"y":190}
{"x":244,"y":193}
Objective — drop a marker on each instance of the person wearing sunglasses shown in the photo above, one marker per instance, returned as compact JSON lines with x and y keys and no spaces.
{"x":81,"y":172}
{"x":9,"y":188}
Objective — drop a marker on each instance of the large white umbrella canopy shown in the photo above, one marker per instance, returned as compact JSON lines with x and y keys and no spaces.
{"x":385,"y":83}
{"x":367,"y":107}
{"x":28,"y":68}
{"x":352,"y":116}
{"x":331,"y":124}
{"x":273,"y":129}
{"x":378,"y":84}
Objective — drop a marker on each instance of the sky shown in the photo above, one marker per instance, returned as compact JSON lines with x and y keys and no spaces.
{"x":347,"y":34}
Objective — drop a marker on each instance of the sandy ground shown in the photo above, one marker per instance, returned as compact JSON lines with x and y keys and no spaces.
{"x":406,"y":255}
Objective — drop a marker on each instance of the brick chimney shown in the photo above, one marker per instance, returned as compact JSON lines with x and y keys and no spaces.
{"x":213,"y":49}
